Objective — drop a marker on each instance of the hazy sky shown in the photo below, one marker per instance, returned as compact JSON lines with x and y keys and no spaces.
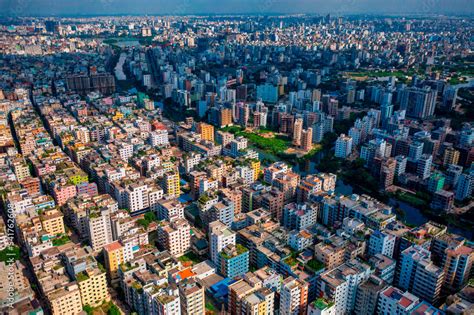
{"x":178,"y":7}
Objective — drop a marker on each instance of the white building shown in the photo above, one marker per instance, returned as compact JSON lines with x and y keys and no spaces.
{"x":175,"y":236}
{"x":219,"y":237}
{"x":381,"y":243}
{"x":393,"y":301}
{"x":293,"y":296}
{"x":159,"y":138}
{"x":340,"y":284}
{"x":343,"y":146}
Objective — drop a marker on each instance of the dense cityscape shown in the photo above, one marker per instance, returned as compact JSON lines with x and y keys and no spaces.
{"x":237,"y":164}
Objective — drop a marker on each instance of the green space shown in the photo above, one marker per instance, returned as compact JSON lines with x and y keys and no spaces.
{"x":10,"y":254}
{"x":210,"y":307}
{"x":290,"y":261}
{"x":275,"y":145}
{"x":61,"y":240}
{"x":190,"y":257}
{"x":315,"y":265}
{"x":416,"y":200}
{"x":147,"y":219}
{"x":108,"y":308}
{"x":81,"y":277}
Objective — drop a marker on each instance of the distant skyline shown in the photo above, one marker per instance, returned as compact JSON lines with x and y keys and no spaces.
{"x":182,"y":7}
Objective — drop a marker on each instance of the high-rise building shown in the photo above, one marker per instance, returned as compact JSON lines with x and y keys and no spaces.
{"x":394,"y":301}
{"x":465,"y":186}
{"x":175,"y":236}
{"x":450,"y":156}
{"x":234,"y":260}
{"x":225,"y":117}
{"x":65,"y":300}
{"x":191,"y":295}
{"x":457,"y":262}
{"x":261,"y":301}
{"x":442,"y":201}
{"x":419,"y":275}
{"x":206,"y":131}
{"x":418,"y":103}
{"x":93,"y":287}
{"x":307,"y":139}
{"x":222,"y":211}
{"x":381,"y":243}
{"x":435,"y":182}
{"x":343,"y":146}
{"x":297,"y":128}
{"x":171,"y":184}
{"x":368,"y":294}
{"x":220,"y":236}
{"x":114,"y":257}
{"x":384,"y":267}
{"x":339,"y":285}
{"x":293,"y":296}
{"x":423,"y":167}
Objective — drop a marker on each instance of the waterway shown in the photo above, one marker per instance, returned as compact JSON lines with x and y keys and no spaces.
{"x":119,"y":74}
{"x":409,"y":214}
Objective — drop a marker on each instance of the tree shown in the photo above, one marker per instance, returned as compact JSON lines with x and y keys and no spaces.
{"x":113,"y":310}
{"x":88,"y":309}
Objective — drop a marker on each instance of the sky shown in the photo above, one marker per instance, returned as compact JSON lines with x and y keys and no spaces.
{"x":181,"y":7}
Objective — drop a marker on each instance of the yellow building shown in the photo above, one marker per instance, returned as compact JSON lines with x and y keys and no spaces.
{"x":65,"y":300}
{"x":206,"y":131}
{"x":114,"y":257}
{"x":118,"y":115}
{"x":451,"y":156}
{"x":93,"y":287}
{"x":52,"y":221}
{"x":255,"y":165}
{"x":171,"y":184}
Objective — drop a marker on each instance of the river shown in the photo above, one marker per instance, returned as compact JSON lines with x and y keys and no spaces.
{"x":119,"y":67}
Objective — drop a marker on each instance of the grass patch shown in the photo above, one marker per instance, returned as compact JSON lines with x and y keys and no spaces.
{"x":61,"y":240}
{"x":315,"y":264}
{"x":190,"y":257}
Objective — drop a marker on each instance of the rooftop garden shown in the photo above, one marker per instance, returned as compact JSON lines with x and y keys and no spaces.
{"x":190,"y":257}
{"x":81,"y":276}
{"x":61,"y":240}
{"x":147,"y":219}
{"x":315,"y":265}
{"x":322,"y":304}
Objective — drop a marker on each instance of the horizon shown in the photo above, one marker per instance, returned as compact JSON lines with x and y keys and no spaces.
{"x":87,"y":8}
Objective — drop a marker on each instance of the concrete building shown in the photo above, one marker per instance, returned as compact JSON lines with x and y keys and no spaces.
{"x":192,"y":298}
{"x":419,"y":275}
{"x":367,"y":295}
{"x":381,"y":243}
{"x":65,"y":300}
{"x":394,"y":301}
{"x":234,"y":260}
{"x":175,"y":236}
{"x":423,"y":168}
{"x":343,"y":146}
{"x":293,"y":296}
{"x":93,"y":287}
{"x":220,"y":236}
{"x":340,"y":284}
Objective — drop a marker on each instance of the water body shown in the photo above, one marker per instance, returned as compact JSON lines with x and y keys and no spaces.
{"x":119,"y":74}
{"x":414,"y":216}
